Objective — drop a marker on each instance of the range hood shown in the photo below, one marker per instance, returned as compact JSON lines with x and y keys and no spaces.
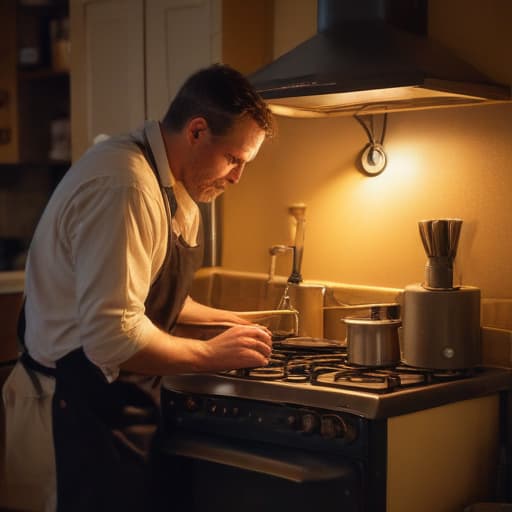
{"x":371,"y":57}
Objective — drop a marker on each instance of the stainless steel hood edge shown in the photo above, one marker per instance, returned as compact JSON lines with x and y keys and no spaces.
{"x":370,"y":66}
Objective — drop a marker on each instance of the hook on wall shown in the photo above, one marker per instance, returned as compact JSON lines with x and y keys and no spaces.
{"x":373,"y":157}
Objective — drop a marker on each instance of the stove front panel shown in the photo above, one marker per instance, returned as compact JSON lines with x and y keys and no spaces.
{"x":291,"y":425}
{"x":264,"y":455}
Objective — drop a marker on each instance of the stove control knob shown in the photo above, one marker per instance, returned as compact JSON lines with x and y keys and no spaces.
{"x":332,"y":426}
{"x":191,"y":404}
{"x":291,"y":421}
{"x":309,"y":423}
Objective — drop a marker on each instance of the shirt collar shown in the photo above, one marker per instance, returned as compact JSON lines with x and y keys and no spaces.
{"x":154,"y":137}
{"x":186,"y":221}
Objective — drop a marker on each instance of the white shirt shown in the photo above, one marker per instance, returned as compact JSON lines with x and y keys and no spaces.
{"x":97,"y":248}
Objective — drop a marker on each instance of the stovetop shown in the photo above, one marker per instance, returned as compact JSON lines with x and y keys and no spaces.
{"x":324,"y":379}
{"x":331,"y":368}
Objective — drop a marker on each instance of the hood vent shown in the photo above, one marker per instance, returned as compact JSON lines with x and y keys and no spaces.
{"x":371,"y":57}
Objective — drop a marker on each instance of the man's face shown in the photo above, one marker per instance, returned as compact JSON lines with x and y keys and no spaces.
{"x":217,"y":161}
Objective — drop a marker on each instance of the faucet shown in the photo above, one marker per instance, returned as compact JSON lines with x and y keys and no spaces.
{"x":298,"y":212}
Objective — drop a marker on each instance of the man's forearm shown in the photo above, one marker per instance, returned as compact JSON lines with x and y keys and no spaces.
{"x":241,"y":346}
{"x":193,"y":312}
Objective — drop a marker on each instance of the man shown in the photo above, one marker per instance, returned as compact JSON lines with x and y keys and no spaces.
{"x":107,"y":279}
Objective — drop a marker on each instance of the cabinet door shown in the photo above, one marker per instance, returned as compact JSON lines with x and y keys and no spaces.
{"x":182,"y":36}
{"x":107,"y":69}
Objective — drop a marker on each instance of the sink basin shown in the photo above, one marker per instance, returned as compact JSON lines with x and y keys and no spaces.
{"x":248,"y":291}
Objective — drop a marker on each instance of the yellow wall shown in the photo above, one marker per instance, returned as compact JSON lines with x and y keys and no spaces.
{"x":442,"y":163}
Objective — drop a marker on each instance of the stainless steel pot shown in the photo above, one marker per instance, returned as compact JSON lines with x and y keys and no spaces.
{"x":373,"y":342}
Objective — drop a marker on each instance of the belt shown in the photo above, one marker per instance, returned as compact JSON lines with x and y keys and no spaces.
{"x":32,"y":364}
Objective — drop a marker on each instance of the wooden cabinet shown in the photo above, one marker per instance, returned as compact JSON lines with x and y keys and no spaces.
{"x":34,"y":82}
{"x":131,"y":56}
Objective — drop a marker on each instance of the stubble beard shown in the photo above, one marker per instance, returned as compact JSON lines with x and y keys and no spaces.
{"x":206,"y":193}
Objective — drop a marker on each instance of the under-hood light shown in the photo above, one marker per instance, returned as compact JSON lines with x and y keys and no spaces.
{"x":377,"y":101}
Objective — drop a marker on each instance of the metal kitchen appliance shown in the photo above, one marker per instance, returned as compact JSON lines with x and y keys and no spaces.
{"x":441,"y":321}
{"x":312,"y":432}
{"x":373,"y":341}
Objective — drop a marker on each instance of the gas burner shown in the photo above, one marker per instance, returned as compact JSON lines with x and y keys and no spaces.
{"x":437,"y":376}
{"x":260,"y":373}
{"x":368,"y":379}
{"x":444,"y":375}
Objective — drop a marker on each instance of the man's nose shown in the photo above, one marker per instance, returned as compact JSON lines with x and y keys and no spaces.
{"x":235,"y":174}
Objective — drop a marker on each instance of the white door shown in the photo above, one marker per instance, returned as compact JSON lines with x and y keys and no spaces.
{"x":182,"y":36}
{"x":129,"y":58}
{"x":108,"y":68}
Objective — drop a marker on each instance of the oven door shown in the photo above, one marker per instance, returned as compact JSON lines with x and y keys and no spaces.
{"x":209,"y":474}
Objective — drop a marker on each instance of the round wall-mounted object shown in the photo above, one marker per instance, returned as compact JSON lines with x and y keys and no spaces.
{"x":373,"y":159}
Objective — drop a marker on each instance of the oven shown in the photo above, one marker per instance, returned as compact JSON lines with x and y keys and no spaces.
{"x":310,"y":431}
{"x":247,"y":454}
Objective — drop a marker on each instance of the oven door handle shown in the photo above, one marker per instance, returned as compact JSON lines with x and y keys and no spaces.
{"x":283,"y":462}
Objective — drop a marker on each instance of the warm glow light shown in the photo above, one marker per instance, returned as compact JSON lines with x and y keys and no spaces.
{"x":376,"y":101}
{"x":399,"y":177}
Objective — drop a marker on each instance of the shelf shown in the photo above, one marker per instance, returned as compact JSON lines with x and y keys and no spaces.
{"x":41,"y":74}
{"x":47,"y":11}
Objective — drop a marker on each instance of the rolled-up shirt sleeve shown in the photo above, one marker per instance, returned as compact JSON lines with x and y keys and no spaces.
{"x":113,"y":240}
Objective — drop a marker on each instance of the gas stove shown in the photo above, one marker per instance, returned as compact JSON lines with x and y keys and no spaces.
{"x":309,"y":430}
{"x":323,"y":378}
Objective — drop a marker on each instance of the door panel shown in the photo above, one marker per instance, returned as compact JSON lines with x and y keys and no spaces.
{"x":181,"y":37}
{"x":108,"y":85}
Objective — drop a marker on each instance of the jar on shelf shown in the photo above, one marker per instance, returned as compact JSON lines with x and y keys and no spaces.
{"x":60,"y":44}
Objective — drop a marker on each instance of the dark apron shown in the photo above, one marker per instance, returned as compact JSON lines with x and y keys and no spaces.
{"x":105,"y":433}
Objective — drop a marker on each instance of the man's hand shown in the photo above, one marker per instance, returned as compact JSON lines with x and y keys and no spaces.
{"x":243,"y":346}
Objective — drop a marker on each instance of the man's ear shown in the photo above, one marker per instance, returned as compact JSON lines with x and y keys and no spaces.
{"x":195,"y":128}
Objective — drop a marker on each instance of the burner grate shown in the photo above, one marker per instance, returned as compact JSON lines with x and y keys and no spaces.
{"x":332,"y":370}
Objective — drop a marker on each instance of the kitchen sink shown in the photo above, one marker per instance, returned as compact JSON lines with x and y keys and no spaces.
{"x":320,"y":304}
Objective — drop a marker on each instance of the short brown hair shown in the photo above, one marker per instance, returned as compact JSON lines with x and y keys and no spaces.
{"x":221,"y":95}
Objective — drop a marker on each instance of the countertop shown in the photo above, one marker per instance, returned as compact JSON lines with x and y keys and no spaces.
{"x":12,"y":281}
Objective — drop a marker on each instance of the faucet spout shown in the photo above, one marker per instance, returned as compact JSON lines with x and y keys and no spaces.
{"x":274,"y":252}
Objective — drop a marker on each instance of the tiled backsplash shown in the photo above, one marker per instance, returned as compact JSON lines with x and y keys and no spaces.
{"x":244,"y":291}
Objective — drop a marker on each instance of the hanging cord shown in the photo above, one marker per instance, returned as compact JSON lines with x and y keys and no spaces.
{"x":370,"y":130}
{"x":373,"y":157}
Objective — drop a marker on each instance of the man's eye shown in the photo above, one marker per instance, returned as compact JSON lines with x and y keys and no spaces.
{"x":233,"y":160}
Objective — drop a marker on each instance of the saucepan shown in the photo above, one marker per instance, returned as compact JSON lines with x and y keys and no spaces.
{"x":373,"y":340}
